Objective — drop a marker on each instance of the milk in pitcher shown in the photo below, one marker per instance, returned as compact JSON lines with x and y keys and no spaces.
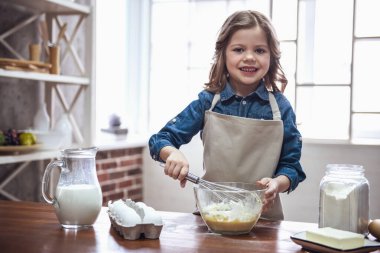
{"x":78,"y":204}
{"x":78,"y":196}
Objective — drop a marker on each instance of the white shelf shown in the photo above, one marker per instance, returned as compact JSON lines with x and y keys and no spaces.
{"x":44,"y":77}
{"x":51,"y":11}
{"x":105,"y":142}
{"x":52,"y":6}
{"x":33,"y":156}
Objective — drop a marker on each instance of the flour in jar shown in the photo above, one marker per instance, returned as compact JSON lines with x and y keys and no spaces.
{"x":78,"y":204}
{"x":342,"y":208}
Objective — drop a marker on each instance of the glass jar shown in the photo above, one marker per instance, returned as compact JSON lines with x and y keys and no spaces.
{"x":344,"y":198}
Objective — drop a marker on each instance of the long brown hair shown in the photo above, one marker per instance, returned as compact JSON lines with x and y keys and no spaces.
{"x":244,"y":20}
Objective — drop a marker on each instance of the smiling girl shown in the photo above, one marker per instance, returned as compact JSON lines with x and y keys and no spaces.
{"x":247,"y":125}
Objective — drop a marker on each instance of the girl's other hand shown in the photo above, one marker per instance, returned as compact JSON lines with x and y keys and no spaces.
{"x":271,"y":186}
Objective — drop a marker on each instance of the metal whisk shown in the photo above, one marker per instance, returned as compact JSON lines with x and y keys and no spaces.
{"x":221,"y":191}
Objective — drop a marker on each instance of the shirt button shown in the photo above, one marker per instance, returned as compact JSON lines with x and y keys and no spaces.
{"x":244,"y":102}
{"x":174,"y":120}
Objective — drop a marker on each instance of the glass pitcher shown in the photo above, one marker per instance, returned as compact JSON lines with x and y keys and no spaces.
{"x":78,"y":197}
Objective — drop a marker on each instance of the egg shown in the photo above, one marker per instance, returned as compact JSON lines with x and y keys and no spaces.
{"x":151,"y":216}
{"x":141,"y":204}
{"x":127,"y":216}
{"x":374,"y":228}
{"x":124,"y":214}
{"x":113,"y":206}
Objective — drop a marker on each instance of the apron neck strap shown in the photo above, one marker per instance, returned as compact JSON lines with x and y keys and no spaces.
{"x":273,"y":104}
{"x":214,"y":101}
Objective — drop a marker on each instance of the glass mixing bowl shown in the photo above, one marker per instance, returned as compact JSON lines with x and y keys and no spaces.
{"x":229,"y":212}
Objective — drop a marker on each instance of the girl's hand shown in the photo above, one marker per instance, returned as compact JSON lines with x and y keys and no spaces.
{"x":273,"y":187}
{"x":176,"y":165}
{"x":270,"y":193}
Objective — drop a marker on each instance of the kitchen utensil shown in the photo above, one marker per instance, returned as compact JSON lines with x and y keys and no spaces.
{"x":54,"y":58}
{"x":23,"y":63}
{"x":78,"y":197}
{"x":43,"y":30}
{"x":227,"y":216}
{"x":41,"y":121}
{"x":222,"y":191}
{"x":34,"y":52}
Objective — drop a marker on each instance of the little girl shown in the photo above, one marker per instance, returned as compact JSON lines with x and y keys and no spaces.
{"x":247,"y":125}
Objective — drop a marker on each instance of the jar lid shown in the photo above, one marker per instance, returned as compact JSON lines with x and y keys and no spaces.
{"x":344,"y":169}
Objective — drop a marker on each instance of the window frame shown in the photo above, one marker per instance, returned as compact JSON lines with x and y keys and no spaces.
{"x":139,"y":82}
{"x":298,"y":84}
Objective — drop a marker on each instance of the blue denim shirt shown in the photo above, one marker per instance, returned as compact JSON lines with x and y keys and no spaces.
{"x":190,"y":121}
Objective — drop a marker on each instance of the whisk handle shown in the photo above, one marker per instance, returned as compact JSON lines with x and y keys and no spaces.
{"x":192,"y":178}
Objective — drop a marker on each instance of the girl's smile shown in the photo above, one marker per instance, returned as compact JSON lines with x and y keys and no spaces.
{"x":247,"y":59}
{"x":248,"y":69}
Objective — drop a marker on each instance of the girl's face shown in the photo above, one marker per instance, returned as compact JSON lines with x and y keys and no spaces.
{"x":247,"y":59}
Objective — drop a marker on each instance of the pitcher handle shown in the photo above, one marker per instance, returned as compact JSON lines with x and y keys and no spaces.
{"x":46,"y":180}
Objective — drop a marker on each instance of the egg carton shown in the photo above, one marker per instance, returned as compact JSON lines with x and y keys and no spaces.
{"x":149,"y":231}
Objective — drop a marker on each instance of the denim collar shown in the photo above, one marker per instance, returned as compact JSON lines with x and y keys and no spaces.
{"x":261,"y":92}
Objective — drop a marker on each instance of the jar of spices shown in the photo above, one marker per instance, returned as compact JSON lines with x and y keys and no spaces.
{"x":344,"y":198}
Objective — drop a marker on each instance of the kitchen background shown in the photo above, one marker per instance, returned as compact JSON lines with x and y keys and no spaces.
{"x":130,"y":83}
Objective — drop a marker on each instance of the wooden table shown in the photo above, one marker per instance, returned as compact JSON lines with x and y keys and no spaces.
{"x":33,"y":227}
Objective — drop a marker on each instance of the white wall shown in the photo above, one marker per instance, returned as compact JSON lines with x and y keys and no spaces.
{"x":163,"y":193}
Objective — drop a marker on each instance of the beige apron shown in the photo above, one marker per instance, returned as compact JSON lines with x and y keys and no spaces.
{"x":238,"y":149}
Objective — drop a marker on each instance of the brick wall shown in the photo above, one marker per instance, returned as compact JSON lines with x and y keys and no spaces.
{"x":120,"y":173}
